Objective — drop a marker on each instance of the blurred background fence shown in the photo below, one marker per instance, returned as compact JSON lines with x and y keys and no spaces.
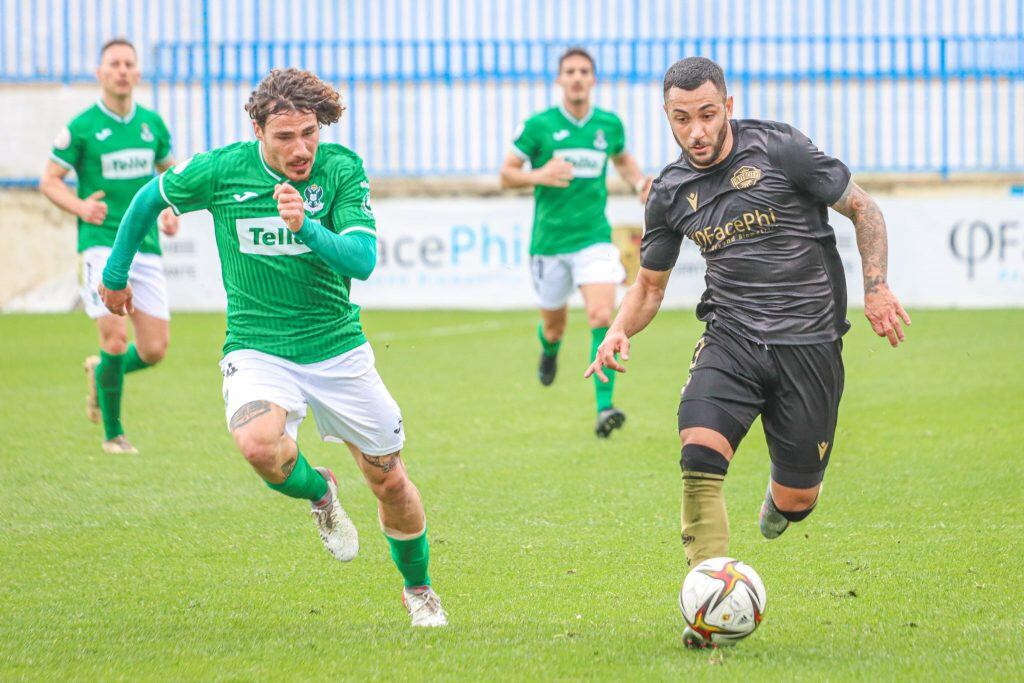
{"x":437,"y":87}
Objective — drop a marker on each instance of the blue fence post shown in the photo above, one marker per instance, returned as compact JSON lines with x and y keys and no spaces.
{"x":66,"y":76}
{"x":207,"y":85}
{"x":944,"y":135}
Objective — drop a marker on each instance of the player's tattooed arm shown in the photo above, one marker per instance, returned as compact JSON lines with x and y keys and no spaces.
{"x":249,"y":412}
{"x":881,"y":307}
{"x":861,"y":209}
{"x":385,"y":463}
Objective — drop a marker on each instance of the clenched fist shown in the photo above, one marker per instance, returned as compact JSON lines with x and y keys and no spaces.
{"x":289,"y":206}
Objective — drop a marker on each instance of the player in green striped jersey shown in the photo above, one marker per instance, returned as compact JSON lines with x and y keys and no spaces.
{"x":568,"y":147}
{"x":115,"y":147}
{"x":294,"y":227}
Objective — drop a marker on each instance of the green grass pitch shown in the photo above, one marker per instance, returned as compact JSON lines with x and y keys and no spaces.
{"x":557,"y":555}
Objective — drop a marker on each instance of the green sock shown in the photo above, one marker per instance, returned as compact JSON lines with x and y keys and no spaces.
{"x":411,"y":557}
{"x":132,"y":361}
{"x":602,"y":391}
{"x":303,"y":482}
{"x":550,"y":348}
{"x":109,"y":381}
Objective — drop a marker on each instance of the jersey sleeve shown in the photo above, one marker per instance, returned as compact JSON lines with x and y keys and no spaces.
{"x":659,"y":248}
{"x":189,"y":185}
{"x":351,"y":211}
{"x":163,"y":142}
{"x":526,"y":143}
{"x":809,"y":169}
{"x":618,"y":138}
{"x":67,"y":149}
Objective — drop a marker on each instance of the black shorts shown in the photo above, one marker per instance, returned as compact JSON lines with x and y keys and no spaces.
{"x":795,"y":390}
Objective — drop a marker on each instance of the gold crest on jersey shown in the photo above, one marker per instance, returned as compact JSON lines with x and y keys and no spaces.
{"x":746,"y":176}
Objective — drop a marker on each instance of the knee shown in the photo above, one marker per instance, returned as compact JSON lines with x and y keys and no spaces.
{"x":790,"y":501}
{"x":258,"y":451}
{"x":115,"y":343}
{"x":553,"y":330}
{"x":152,"y":352}
{"x":705,"y":450}
{"x":392,"y":487}
{"x":599,"y":316}
{"x":698,"y":457}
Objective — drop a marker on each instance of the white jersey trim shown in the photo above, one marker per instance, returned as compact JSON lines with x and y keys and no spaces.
{"x":60,"y":162}
{"x":263,"y":161}
{"x":519,"y":153}
{"x":579,"y":123}
{"x":160,"y":184}
{"x":358,"y":228}
{"x":120,"y":119}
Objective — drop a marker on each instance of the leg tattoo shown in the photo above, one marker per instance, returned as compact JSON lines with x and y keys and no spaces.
{"x":385,"y":463}
{"x":288,"y":466}
{"x":248,"y":413}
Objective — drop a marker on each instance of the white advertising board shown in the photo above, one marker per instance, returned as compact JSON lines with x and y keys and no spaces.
{"x":473,"y":253}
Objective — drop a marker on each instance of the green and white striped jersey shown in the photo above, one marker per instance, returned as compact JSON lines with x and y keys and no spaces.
{"x":283,"y":299}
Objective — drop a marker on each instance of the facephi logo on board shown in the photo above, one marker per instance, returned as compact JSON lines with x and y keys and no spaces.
{"x":975,"y":243}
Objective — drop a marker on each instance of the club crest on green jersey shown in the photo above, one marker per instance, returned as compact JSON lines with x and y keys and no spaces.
{"x":313,"y":198}
{"x":599,"y":140}
{"x":147,"y":134}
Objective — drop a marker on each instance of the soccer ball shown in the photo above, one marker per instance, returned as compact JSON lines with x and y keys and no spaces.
{"x":722,"y":600}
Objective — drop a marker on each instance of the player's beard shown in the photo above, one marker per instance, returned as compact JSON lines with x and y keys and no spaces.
{"x":716,"y":148}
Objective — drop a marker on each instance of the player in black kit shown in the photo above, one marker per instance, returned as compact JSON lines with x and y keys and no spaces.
{"x":753,"y":196}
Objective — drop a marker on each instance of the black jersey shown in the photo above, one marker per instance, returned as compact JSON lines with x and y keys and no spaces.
{"x":760,"y":220}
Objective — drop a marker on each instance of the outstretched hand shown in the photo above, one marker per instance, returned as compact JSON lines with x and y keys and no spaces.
{"x":615,"y":342}
{"x":884,"y":312}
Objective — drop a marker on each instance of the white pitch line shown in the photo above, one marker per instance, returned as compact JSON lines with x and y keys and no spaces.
{"x":440,"y":331}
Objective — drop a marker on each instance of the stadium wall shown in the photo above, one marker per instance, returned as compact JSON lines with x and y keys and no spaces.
{"x":947,"y":249}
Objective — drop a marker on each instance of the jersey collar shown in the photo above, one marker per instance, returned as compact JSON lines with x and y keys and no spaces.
{"x":579,"y":123}
{"x":117,"y":117}
{"x":266,"y":167}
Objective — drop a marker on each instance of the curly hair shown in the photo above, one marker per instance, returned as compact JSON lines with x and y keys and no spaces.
{"x":291,"y":89}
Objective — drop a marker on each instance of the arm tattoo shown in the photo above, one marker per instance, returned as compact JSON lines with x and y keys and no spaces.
{"x":869,"y":225}
{"x":385,"y":463}
{"x":249,"y":412}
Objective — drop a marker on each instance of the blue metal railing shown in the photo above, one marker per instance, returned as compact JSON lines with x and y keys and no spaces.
{"x":437,"y":87}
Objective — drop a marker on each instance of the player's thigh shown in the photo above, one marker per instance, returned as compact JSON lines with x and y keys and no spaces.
{"x":351,"y":404}
{"x":724,"y":392}
{"x":149,"y":286}
{"x":801,"y":413}
{"x":254,"y":384}
{"x":552,"y":281}
{"x":152,"y":335}
{"x":599,"y":301}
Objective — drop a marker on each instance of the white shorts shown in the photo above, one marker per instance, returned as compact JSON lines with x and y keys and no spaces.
{"x":556,"y":277}
{"x":349,"y":400}
{"x":146,"y":276}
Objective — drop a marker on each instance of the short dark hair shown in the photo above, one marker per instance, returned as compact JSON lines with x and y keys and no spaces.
{"x":576,"y":51}
{"x":114,"y":42}
{"x":693,"y":72}
{"x":291,"y":89}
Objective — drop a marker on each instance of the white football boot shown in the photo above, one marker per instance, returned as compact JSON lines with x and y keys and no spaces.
{"x":336,"y":529}
{"x":119,"y":445}
{"x":424,"y":606}
{"x":92,"y":401}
